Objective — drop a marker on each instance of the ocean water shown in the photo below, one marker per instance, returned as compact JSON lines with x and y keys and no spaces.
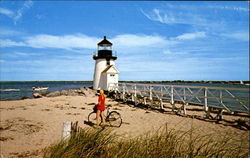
{"x":18,"y":90}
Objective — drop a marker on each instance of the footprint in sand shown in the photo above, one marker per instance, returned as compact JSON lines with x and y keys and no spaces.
{"x":72,"y":113}
{"x":21,"y":125}
{"x":46,"y":109}
{"x":5,"y":138}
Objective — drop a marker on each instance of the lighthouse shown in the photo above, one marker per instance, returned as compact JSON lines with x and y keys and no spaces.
{"x":106,"y":74}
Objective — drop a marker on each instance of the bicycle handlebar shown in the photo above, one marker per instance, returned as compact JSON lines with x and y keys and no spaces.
{"x":109,"y":106}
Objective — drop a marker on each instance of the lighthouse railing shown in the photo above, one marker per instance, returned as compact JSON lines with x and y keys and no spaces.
{"x":224,"y":98}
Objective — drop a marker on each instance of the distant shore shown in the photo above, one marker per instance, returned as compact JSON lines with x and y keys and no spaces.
{"x":183,"y":81}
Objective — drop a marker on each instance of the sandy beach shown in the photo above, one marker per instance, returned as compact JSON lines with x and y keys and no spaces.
{"x":28,"y":126}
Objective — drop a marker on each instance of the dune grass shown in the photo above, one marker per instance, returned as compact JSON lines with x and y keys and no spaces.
{"x":163,"y":143}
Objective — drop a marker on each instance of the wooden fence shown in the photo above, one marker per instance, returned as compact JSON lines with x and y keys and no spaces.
{"x":222,"y":98}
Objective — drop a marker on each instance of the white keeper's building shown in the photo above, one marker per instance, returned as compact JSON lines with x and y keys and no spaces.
{"x":106,"y":74}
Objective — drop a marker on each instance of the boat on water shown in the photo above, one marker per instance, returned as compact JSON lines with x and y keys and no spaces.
{"x":39,"y":88}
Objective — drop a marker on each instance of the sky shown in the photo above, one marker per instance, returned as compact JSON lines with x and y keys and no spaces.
{"x":153,"y":40}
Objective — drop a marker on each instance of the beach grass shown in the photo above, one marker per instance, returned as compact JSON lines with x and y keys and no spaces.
{"x":163,"y":143}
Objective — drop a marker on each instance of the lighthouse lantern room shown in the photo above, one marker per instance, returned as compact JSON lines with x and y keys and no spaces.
{"x":106,"y":74}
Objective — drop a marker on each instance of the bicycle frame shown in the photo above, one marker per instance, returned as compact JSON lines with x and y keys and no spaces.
{"x":111,"y":116}
{"x":107,"y":112}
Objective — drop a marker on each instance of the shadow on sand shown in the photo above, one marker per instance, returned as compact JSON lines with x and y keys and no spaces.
{"x":239,"y":123}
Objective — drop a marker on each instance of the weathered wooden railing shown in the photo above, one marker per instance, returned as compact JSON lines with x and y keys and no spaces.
{"x":222,"y":98}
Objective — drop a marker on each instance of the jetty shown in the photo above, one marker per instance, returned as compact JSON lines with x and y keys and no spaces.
{"x":219,"y":99}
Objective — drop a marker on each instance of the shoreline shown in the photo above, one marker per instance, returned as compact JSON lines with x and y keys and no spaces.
{"x":22,"y":93}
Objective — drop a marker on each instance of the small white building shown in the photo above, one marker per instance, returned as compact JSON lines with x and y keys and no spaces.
{"x":106,"y":74}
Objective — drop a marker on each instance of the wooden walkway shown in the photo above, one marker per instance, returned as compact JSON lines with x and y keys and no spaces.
{"x":220,"y":98}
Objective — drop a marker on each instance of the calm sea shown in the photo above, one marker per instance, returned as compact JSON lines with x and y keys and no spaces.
{"x":18,"y":90}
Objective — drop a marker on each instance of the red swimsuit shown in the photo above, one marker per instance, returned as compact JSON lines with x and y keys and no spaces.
{"x":101,"y":100}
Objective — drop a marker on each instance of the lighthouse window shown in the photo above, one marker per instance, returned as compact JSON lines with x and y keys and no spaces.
{"x":112,"y":75}
{"x":105,"y":48}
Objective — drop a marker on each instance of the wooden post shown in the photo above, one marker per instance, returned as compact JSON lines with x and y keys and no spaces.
{"x":184,"y":108}
{"x":205,"y":99}
{"x":150,"y":93}
{"x":66,"y":129}
{"x":145,"y":100}
{"x":161,"y":104}
{"x":161,"y":96}
{"x":185,"y":103}
{"x":161,"y":92}
{"x":207,"y":110}
{"x":172,"y":98}
{"x":123,"y":92}
{"x":74,"y":128}
{"x":135,"y":95}
{"x":184,"y":94}
{"x":132,"y":93}
{"x":219,"y":115}
{"x":172,"y":95}
{"x":208,"y":113}
{"x":221,"y":97}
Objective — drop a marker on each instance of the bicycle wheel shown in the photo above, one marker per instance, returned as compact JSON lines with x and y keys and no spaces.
{"x":92,"y":118}
{"x":114,"y":119}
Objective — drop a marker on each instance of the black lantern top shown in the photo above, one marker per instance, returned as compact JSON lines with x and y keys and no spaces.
{"x":104,"y":42}
{"x":104,"y":50}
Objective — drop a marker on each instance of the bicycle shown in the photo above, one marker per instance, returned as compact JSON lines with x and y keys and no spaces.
{"x":113,"y":117}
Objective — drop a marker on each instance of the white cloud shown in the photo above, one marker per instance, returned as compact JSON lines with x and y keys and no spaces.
{"x":76,"y":42}
{"x":8,"y":32}
{"x":222,"y":7}
{"x":68,"y":42}
{"x":63,"y":42}
{"x":170,"y":17}
{"x":169,"y":52}
{"x":156,"y":16}
{"x":188,"y":36}
{"x":230,"y":8}
{"x":25,"y":54}
{"x":10,"y":43}
{"x":153,"y":16}
{"x":6,"y":12}
{"x":130,"y":40}
{"x":199,"y":17}
{"x":27,"y":4}
{"x":19,"y":13}
{"x":242,"y":35}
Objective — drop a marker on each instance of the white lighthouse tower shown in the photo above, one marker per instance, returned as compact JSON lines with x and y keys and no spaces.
{"x":106,"y":74}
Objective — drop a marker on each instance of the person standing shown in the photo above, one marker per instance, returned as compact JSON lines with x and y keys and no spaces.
{"x":100,"y":108}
